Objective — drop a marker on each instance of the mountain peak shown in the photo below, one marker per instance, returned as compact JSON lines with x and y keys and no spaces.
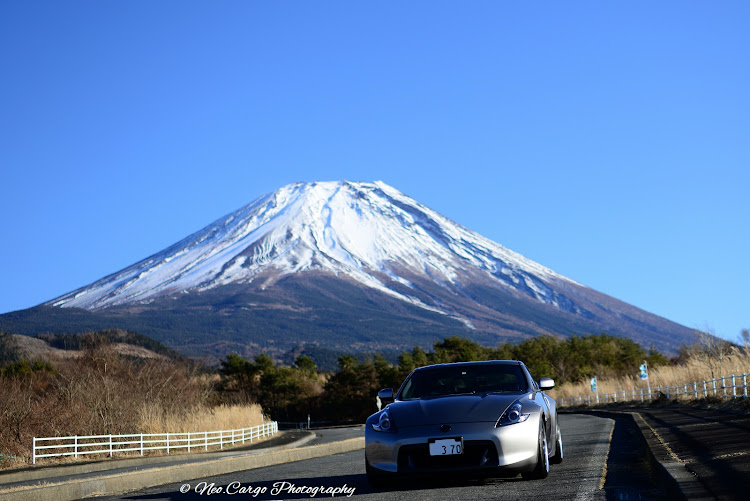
{"x":362,"y":263}
{"x":369,"y":232}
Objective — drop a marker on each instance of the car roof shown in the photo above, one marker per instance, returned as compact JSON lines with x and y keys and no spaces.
{"x":478,"y":362}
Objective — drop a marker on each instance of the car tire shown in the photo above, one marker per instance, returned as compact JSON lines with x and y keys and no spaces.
{"x":557,"y":457}
{"x":375,"y":478}
{"x":541,"y":470}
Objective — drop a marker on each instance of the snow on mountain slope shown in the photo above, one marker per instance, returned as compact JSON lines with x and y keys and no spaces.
{"x":365,"y":231}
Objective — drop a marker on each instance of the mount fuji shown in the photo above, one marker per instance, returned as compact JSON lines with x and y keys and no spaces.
{"x":343,"y":265}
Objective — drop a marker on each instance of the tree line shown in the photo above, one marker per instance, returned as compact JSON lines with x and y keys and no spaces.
{"x":348,"y":393}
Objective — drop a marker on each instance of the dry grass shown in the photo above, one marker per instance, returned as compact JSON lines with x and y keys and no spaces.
{"x":101,"y":392}
{"x":154,"y":419}
{"x":699,"y":367}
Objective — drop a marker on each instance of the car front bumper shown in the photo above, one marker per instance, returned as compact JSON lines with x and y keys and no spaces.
{"x":510,"y":448}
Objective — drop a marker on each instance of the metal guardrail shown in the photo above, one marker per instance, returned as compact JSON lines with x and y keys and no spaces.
{"x":140,"y":442}
{"x":728,"y":387}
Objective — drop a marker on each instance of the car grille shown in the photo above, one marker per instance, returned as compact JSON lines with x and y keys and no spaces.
{"x":477,"y":454}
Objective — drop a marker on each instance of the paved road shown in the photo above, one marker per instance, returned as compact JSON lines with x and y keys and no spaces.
{"x":586,"y":474}
{"x":712,"y":444}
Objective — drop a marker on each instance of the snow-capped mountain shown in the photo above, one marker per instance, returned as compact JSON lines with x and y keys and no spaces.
{"x":360,"y":230}
{"x":374,"y":238}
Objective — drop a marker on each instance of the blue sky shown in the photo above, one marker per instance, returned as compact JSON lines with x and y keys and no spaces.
{"x":607,"y":141}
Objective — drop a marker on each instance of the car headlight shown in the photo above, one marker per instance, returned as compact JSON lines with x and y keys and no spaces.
{"x":512,"y":415}
{"x":384,"y":422}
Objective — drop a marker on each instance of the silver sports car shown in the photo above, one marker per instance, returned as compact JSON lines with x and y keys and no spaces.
{"x":487,"y":416}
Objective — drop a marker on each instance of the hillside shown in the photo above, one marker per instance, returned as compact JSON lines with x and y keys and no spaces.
{"x":64,"y":346}
{"x":340,"y":266}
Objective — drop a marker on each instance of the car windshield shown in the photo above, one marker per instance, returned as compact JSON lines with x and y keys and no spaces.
{"x":464,"y":379}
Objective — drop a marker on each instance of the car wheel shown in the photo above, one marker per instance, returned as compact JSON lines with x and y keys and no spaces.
{"x":541,"y":470}
{"x":557,"y":457}
{"x":376,"y":478}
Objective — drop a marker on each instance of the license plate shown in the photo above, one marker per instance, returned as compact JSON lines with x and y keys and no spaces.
{"x":446,"y":447}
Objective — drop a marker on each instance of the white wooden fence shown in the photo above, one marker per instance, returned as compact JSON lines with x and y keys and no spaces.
{"x":140,"y":442}
{"x":724,"y":387}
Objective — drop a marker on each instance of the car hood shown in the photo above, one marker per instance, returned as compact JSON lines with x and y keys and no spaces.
{"x":451,"y":409}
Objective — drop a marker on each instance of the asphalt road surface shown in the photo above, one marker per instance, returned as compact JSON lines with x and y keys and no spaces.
{"x":592,"y":470}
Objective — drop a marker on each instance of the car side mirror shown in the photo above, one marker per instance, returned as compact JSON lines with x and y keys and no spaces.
{"x":386,"y":394}
{"x":546,"y":383}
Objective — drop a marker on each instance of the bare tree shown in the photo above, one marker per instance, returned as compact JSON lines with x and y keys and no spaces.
{"x":8,"y":347}
{"x":745,"y":338}
{"x":712,"y":350}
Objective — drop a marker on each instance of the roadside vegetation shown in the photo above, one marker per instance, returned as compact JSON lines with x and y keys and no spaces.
{"x":710,"y":359}
{"x":348,"y":394}
{"x":101,"y":387}
{"x":101,"y":391}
